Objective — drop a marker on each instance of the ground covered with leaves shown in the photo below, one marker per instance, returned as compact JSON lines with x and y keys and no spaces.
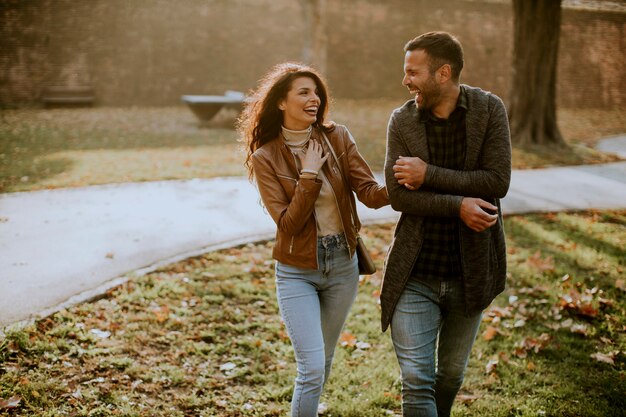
{"x":203,"y":337}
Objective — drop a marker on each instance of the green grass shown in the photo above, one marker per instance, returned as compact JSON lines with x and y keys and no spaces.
{"x":203,"y":337}
{"x":41,"y":149}
{"x":77,"y":147}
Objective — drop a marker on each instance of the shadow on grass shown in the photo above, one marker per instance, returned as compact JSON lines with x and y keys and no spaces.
{"x":559,"y":234}
{"x":31,"y":168}
{"x":30,"y":138}
{"x":569,"y":372}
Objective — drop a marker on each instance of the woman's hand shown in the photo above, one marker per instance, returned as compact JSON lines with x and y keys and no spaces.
{"x":313,"y":159}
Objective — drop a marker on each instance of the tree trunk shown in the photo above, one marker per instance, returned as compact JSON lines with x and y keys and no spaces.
{"x":315,"y":38}
{"x":533,"y":96}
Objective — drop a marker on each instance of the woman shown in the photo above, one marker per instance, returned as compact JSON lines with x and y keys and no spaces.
{"x":302,"y":188}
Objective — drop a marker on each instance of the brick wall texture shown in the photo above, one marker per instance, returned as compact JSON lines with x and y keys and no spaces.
{"x":150,"y":52}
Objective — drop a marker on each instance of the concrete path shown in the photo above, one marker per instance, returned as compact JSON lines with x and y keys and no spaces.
{"x":62,"y":247}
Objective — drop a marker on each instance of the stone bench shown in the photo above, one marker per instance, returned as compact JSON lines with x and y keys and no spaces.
{"x":68,"y":96}
{"x":206,"y":107}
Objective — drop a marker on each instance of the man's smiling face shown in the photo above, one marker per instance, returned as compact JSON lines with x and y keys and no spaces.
{"x":419,"y":80}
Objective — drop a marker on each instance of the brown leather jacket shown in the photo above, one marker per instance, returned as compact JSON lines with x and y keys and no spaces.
{"x":290,"y":200}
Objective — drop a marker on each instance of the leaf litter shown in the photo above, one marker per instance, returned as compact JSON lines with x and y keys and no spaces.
{"x":204,"y":336}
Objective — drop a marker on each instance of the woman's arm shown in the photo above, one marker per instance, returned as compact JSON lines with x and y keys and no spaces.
{"x":290,"y":216}
{"x":362,"y":180}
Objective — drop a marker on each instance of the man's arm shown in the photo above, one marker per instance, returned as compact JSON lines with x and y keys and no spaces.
{"x":490,"y":181}
{"x":421,"y":203}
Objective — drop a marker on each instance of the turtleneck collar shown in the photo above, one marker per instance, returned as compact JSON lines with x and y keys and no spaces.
{"x":296,"y":137}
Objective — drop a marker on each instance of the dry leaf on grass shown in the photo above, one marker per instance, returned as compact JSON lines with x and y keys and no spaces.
{"x":347,"y":339}
{"x":491,"y":366}
{"x":467,"y":398}
{"x":539,"y":263}
{"x":490,"y":332}
{"x":531,"y":344}
{"x":10,"y":403}
{"x":605,"y":357}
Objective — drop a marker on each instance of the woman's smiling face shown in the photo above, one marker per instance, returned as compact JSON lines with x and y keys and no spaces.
{"x":301,"y":105}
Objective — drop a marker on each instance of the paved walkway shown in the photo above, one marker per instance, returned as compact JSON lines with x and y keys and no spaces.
{"x":61,"y":247}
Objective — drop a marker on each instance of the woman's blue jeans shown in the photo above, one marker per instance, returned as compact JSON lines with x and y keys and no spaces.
{"x":433,"y":339}
{"x":314,"y":305}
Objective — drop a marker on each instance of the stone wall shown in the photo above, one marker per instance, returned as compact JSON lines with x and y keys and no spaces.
{"x":150,"y":52}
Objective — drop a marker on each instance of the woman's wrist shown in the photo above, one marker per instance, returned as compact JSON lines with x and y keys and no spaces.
{"x":308,"y":174}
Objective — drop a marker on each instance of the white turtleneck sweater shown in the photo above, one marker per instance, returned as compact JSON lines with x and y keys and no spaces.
{"x":326,"y":211}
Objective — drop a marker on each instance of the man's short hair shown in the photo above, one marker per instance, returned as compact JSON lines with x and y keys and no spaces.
{"x":441,"y":48}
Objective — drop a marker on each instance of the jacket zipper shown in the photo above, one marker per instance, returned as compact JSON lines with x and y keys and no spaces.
{"x":339,"y":211}
{"x":287,"y":178}
{"x":296,"y":181}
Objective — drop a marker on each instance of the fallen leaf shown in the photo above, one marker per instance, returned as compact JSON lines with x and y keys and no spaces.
{"x":499,"y":312}
{"x":363,"y":345}
{"x":531,"y":344}
{"x":102,"y":334}
{"x":491,"y":366}
{"x":520,"y":352}
{"x":579,"y":304}
{"x":347,"y":339}
{"x":10,"y":403}
{"x":606,"y":358}
{"x":493,"y":379}
{"x":467,"y":398}
{"x":587,"y":310}
{"x":228,"y":366}
{"x":606,"y":340}
{"x":490,"y":333}
{"x":620,"y":284}
{"x":161,"y":313}
{"x":391,"y":395}
{"x":605,"y":302}
{"x":531,"y":366}
{"x":580,"y":329}
{"x":520,"y":323}
{"x":539,"y":263}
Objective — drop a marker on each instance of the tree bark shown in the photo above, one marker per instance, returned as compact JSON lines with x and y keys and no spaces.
{"x":315,"y":38}
{"x":532,"y":111}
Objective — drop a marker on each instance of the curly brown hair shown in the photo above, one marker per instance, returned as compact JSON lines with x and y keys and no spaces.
{"x":261,"y":119}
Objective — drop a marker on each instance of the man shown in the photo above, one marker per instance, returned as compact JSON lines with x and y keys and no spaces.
{"x":448,"y":163}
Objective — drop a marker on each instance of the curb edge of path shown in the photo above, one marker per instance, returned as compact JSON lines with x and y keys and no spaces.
{"x":100,"y":291}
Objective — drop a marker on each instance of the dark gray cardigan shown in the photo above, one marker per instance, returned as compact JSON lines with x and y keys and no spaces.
{"x":486,"y":174}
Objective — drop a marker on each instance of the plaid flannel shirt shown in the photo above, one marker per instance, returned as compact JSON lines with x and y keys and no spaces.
{"x":439,"y":257}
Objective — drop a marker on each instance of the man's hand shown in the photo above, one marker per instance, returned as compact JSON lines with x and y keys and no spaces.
{"x":474,"y":213}
{"x":410,"y":171}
